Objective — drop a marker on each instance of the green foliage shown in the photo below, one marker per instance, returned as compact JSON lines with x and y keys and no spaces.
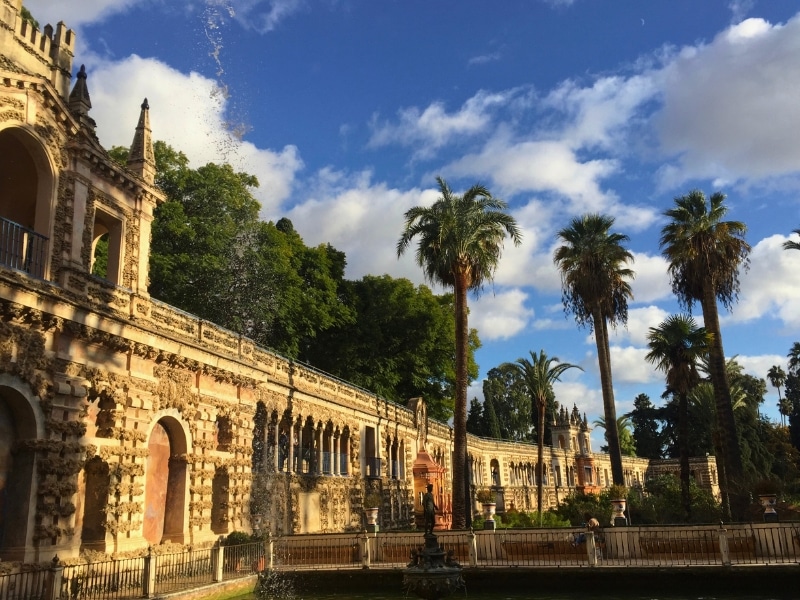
{"x":504,"y":389}
{"x":27,"y":16}
{"x":515,"y":519}
{"x":574,"y":507}
{"x":647,"y":436}
{"x":100,"y":265}
{"x":627,"y":443}
{"x":660,"y":503}
{"x":399,"y":344}
{"x":237,"y":538}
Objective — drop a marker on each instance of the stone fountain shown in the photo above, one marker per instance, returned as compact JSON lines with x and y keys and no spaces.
{"x":432,"y":574}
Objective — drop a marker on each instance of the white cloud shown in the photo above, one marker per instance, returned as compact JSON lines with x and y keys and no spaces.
{"x":640,"y":320}
{"x":652,"y":281}
{"x":433,"y":127}
{"x":771,"y":287}
{"x":538,"y":166}
{"x":76,"y":12}
{"x":500,"y":315}
{"x":758,"y":366}
{"x":187,"y":112}
{"x":262,"y":15}
{"x":628,"y":365}
{"x":361,"y":218}
{"x":600,"y":115}
{"x":730,"y":108}
{"x":484,"y":58}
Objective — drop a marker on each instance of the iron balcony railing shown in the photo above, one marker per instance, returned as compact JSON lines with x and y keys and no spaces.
{"x":21,"y":248}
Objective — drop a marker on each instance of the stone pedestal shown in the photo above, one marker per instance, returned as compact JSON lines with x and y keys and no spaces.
{"x":432,"y":574}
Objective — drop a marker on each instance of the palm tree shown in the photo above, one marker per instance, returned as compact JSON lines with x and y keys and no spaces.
{"x":539,"y":374}
{"x":790,"y":245}
{"x":675,"y":348}
{"x":460,"y":243}
{"x":777,"y":377}
{"x":627,"y":443}
{"x":593,"y":269}
{"x":704,"y":255}
{"x":704,"y":411}
{"x":794,"y":358}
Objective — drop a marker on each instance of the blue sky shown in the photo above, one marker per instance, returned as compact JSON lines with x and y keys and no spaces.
{"x":347,"y":110}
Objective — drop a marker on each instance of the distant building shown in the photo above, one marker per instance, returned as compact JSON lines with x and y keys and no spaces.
{"x":125,"y":422}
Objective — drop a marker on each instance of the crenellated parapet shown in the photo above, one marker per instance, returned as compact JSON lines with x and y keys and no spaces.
{"x":47,"y":53}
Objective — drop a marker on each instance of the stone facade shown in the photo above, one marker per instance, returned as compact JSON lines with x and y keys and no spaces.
{"x":125,"y":422}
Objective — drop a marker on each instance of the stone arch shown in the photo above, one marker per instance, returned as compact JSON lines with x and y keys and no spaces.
{"x":27,"y":199}
{"x":20,"y":422}
{"x":166,"y":481}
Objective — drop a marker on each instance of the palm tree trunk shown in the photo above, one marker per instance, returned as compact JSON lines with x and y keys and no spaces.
{"x":683,"y":443}
{"x":540,"y":459}
{"x":729,"y":441}
{"x":460,"y":410}
{"x":609,"y":407}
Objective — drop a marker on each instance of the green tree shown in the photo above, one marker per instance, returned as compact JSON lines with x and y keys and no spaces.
{"x":399,"y":345}
{"x":777,"y":377}
{"x":627,"y":443}
{"x":213,"y":257}
{"x":595,"y":289}
{"x":490,"y":415}
{"x":676,"y":346}
{"x":793,"y":393}
{"x":647,"y":436}
{"x":460,"y":243}
{"x":505,"y":389}
{"x":539,"y":373}
{"x":704,"y":254}
{"x":792,"y":245}
{"x":311,"y":296}
{"x":476,"y":423}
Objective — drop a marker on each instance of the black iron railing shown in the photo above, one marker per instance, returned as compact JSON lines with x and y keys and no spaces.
{"x":22,"y":248}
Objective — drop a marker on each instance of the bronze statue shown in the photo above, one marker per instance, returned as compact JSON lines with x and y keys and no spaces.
{"x":429,"y":509}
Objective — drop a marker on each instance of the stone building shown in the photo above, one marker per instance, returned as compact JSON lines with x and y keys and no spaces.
{"x":125,"y":422}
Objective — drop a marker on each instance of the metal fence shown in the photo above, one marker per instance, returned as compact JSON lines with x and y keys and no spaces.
{"x":313,"y":551}
{"x":673,"y":546}
{"x":243,"y":560}
{"x":105,"y":580}
{"x":27,"y":585}
{"x":183,"y":570}
{"x":22,"y":248}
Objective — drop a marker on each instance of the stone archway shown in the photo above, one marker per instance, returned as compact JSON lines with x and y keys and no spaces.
{"x":165,"y":483}
{"x":17,"y":470}
{"x":26,"y":201}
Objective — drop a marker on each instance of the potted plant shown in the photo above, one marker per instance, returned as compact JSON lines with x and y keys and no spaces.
{"x":372,"y":503}
{"x":487,"y":498}
{"x":767,"y":490}
{"x":618,"y":496}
